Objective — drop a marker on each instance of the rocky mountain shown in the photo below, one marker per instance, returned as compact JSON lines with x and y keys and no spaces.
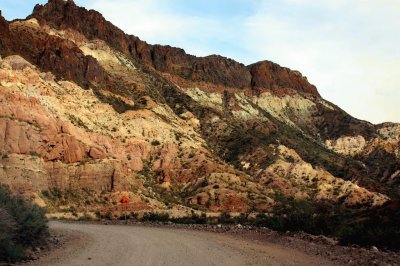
{"x":89,"y":113}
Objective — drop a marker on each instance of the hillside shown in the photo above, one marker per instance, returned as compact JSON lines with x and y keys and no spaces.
{"x":89,"y":113}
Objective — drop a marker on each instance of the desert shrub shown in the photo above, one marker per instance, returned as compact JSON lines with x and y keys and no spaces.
{"x":77,"y":199}
{"x":365,"y":227}
{"x":193,"y":219}
{"x":379,"y":226}
{"x":155,"y":143}
{"x":241,"y":219}
{"x":118,"y":104}
{"x":368,"y":233}
{"x":156,"y":217}
{"x":298,"y":215}
{"x":134,"y":215}
{"x":225,"y":218}
{"x":22,"y":224}
{"x":9,"y":251}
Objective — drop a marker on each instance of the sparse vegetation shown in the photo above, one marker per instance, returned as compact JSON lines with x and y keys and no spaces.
{"x":351,"y":226}
{"x":155,"y":143}
{"x":225,"y":218}
{"x":193,"y":219}
{"x":156,"y":217}
{"x":78,"y":122}
{"x":76,"y":199}
{"x":378,"y":226}
{"x":294,"y":216}
{"x":368,"y":233}
{"x":22,"y":225}
{"x":118,"y":104}
{"x":34,"y":154}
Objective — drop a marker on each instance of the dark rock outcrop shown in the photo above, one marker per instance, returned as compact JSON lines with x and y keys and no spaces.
{"x":51,"y":53}
{"x":272,"y":76}
{"x":65,"y":14}
{"x":335,"y":123}
{"x":5,"y":43}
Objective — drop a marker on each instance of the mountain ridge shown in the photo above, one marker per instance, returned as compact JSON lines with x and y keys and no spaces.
{"x":114,"y":115}
{"x":161,"y":57}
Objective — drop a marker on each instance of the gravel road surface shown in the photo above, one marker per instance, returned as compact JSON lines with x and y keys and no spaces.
{"x":95,"y":244}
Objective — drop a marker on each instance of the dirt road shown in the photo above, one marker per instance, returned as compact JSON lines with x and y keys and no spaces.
{"x":94,"y":244}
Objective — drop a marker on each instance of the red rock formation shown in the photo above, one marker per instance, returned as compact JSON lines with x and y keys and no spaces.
{"x":96,"y":153}
{"x":271,"y":76}
{"x":65,"y":14}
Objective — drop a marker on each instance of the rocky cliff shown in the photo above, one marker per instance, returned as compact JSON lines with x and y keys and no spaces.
{"x":88,"y":112}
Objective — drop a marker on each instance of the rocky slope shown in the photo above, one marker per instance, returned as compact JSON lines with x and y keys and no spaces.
{"x":88,"y":113}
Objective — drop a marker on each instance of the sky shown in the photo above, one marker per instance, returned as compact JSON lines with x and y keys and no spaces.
{"x":349,"y":49}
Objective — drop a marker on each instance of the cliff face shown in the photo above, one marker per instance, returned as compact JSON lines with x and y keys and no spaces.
{"x":271,"y":76}
{"x":86,"y":107}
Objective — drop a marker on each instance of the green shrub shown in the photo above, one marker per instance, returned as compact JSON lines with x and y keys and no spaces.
{"x":299,"y":215}
{"x":77,"y":199}
{"x":156,"y":217}
{"x":225,"y":218}
{"x":155,"y":143}
{"x":366,"y":233}
{"x":364,"y":227}
{"x":379,"y":227}
{"x":193,"y":219}
{"x":242,"y":218}
{"x":9,"y":251}
{"x":22,"y":224}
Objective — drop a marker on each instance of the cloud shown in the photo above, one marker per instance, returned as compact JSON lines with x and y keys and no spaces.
{"x":156,"y":22}
{"x":349,"y":51}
